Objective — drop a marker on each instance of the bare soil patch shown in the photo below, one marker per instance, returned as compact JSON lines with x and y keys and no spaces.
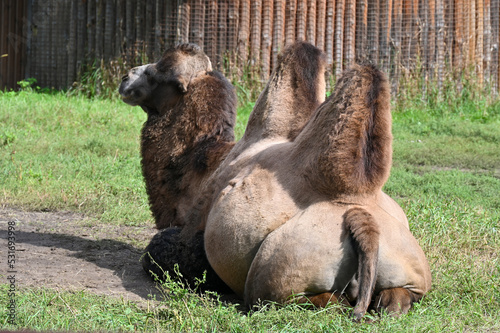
{"x":68,"y":251}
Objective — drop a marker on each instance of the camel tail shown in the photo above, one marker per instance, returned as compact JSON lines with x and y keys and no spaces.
{"x":350,"y":135}
{"x":364,"y":232}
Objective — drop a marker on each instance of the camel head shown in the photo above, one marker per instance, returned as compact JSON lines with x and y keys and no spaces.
{"x":157,"y":87}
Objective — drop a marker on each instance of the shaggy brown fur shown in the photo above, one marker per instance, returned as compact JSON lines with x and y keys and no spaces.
{"x":294,"y":91}
{"x":352,"y":137}
{"x":189,"y":130}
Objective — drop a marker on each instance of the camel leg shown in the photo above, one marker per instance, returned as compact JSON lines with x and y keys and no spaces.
{"x":323,"y":299}
{"x":395,"y":301}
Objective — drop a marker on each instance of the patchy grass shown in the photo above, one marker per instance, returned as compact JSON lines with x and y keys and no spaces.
{"x":71,"y":153}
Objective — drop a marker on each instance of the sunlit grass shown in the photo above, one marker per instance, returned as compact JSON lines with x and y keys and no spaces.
{"x":72,"y":153}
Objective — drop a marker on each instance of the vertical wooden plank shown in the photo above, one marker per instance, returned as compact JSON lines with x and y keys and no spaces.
{"x":139,"y":27}
{"x":349,"y":32}
{"x":440,"y":42}
{"x":158,"y":40}
{"x":210,"y":39}
{"x":311,"y":21}
{"x":330,"y":21}
{"x":374,"y":30}
{"x":72,"y":43}
{"x":301,"y":19}
{"x":109,"y":29}
{"x":278,"y":30}
{"x":487,"y":41}
{"x":320,"y":24}
{"x":171,"y":29}
{"x":221,"y":32}
{"x":339,"y":36}
{"x":183,"y":18}
{"x":148,"y":20}
{"x":244,"y":33}
{"x":361,"y":27}
{"x":255,"y":33}
{"x":233,"y":19}
{"x":99,"y":38}
{"x":290,"y":20}
{"x":197,"y":24}
{"x":479,"y":42}
{"x":459,"y":35}
{"x":385,"y":33}
{"x":129,"y":23}
{"x":81,"y":34}
{"x":266,"y":41}
{"x":472,"y":32}
{"x":495,"y":40}
{"x":431,"y":45}
{"x":119,"y":28}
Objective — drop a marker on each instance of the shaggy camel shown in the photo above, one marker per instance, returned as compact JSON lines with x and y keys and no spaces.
{"x":191,"y":113}
{"x":298,"y":210}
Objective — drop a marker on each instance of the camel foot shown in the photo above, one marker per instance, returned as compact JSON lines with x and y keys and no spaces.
{"x":395,"y":301}
{"x":323,"y":299}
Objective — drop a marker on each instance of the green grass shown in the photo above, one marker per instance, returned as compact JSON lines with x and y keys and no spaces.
{"x":71,"y":153}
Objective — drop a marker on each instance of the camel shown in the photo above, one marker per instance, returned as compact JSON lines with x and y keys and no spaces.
{"x":296,"y":210}
{"x":191,"y":113}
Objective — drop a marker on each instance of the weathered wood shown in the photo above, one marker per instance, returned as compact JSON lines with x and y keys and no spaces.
{"x":301,"y":19}
{"x":487,"y":41}
{"x":233,"y":19}
{"x":495,"y":40}
{"x":99,"y":32}
{"x":373,"y":30}
{"x":349,"y":32}
{"x":311,"y":21}
{"x":320,"y":24}
{"x":109,"y":29}
{"x":339,"y":36}
{"x":210,"y":39}
{"x":197,"y":21}
{"x":278,"y":30}
{"x":129,"y":25}
{"x":71,"y":70}
{"x":330,"y":22}
{"x":183,"y":17}
{"x":440,"y":42}
{"x":290,"y":21}
{"x":479,"y":58}
{"x":244,"y":33}
{"x":255,"y":33}
{"x":221,"y":32}
{"x":266,"y":41}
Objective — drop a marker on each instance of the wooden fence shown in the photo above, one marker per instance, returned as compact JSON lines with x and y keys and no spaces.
{"x":440,"y":37}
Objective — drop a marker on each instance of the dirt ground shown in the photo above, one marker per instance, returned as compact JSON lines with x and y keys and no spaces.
{"x":68,"y":251}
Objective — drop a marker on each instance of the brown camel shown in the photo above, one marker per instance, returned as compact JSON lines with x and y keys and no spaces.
{"x":191,"y":113}
{"x":299,"y":210}
{"x":189,"y":130}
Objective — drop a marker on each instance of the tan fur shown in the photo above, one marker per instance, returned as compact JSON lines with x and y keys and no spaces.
{"x":365,"y":233}
{"x":304,"y":214}
{"x":189,"y":130}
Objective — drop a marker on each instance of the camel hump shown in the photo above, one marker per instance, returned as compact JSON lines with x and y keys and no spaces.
{"x":348,"y":141}
{"x":364,"y":232}
{"x":294,"y":91}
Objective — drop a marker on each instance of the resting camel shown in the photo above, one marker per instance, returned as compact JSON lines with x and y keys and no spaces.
{"x":189,"y":130}
{"x":297,"y":209}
